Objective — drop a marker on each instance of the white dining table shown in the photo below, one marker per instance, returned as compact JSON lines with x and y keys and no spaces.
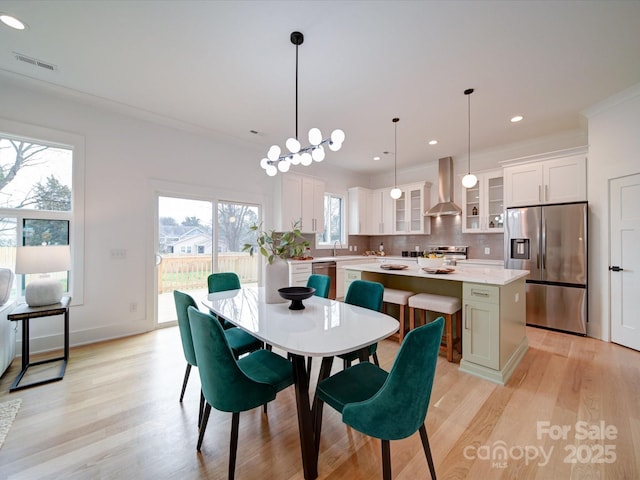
{"x":324,"y":328}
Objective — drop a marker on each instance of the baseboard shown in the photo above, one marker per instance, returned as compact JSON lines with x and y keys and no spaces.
{"x":500,"y":377}
{"x":48,"y":343}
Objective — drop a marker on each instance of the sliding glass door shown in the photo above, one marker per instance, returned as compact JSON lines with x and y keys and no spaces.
{"x":195,"y":238}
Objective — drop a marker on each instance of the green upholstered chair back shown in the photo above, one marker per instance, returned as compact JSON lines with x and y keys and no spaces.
{"x":183,"y":302}
{"x":223,"y":281}
{"x":321,"y":283}
{"x":399,"y":408}
{"x":224,"y":385}
{"x":365,"y":294}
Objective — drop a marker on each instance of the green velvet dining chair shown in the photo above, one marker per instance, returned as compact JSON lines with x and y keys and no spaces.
{"x":369,"y":295}
{"x":221,"y":282}
{"x":239,"y":340}
{"x":322,"y":284}
{"x":388,"y":406}
{"x":230,"y":384}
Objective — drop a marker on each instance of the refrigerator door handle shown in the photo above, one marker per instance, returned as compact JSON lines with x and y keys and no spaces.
{"x":540,"y":193}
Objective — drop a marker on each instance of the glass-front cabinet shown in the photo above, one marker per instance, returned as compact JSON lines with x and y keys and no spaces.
{"x":410,"y":207}
{"x":483,"y":206}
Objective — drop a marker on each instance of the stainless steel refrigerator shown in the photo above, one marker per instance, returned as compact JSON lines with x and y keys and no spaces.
{"x":551,"y":242}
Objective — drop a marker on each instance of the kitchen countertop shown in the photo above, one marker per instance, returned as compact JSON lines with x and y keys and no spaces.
{"x":474,"y":274}
{"x":365,"y":258}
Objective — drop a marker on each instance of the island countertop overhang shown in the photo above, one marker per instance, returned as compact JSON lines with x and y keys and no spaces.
{"x":489,"y":276}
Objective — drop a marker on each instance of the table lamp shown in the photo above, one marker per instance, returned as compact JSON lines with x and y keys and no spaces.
{"x":44,"y":260}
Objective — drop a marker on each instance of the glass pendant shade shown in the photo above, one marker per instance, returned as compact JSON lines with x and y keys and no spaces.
{"x":293,"y":145}
{"x":271,"y":170}
{"x":273,"y":153}
{"x":264,"y":163}
{"x":469,"y":180}
{"x":318,"y":154}
{"x":395,"y":193}
{"x":283,"y":165}
{"x":315,"y":136}
{"x":337,"y":136}
{"x":305,"y":159}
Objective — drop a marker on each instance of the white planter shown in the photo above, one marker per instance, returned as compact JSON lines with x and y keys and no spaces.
{"x":276,"y":276}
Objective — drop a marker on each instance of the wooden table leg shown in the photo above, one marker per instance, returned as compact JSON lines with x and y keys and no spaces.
{"x":305,"y":420}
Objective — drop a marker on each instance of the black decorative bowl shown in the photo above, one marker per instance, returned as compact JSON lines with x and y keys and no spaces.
{"x":296,"y":295}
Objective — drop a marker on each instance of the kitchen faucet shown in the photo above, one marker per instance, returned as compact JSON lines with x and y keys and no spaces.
{"x":334,"y":246}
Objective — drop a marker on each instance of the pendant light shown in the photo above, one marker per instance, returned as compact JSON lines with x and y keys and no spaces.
{"x":299,"y":155}
{"x":469,"y":180}
{"x":395,"y":192}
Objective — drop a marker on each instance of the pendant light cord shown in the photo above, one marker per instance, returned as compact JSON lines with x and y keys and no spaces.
{"x":468,"y":93}
{"x":395,"y":152}
{"x":296,"y":92}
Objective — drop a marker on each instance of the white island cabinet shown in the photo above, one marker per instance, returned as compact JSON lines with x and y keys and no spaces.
{"x":493,"y":311}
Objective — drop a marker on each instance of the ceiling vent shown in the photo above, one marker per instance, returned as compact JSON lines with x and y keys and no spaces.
{"x":35,"y":62}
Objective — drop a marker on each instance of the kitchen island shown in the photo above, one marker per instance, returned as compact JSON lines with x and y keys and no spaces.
{"x":493,"y":310}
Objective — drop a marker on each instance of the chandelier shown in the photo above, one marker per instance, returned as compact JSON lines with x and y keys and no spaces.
{"x":299,"y":155}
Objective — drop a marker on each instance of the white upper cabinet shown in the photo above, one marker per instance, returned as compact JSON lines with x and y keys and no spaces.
{"x":302,"y":200}
{"x":483,"y":205}
{"x":374,"y":212}
{"x":381,"y":206}
{"x":359,"y":211}
{"x":410,"y":207}
{"x":557,"y":180}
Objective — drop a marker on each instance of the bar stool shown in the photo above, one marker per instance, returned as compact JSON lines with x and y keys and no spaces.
{"x":448,"y":307}
{"x":397,"y":297}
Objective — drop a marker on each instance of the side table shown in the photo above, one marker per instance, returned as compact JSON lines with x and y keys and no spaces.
{"x":24,"y":313}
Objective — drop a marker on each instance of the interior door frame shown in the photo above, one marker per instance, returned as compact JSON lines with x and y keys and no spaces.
{"x":189,"y":191}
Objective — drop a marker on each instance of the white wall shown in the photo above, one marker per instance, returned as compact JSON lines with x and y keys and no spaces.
{"x":614,"y":151}
{"x":127,"y":160}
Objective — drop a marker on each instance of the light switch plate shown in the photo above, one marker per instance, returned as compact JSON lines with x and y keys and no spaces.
{"x":487,"y":251}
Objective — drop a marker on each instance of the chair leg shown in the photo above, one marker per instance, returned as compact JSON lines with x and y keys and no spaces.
{"x":233,"y":444}
{"x":184,"y":382}
{"x":375,"y":359}
{"x":401,"y":318}
{"x":203,"y":425}
{"x":201,"y":409}
{"x":346,"y":364}
{"x":427,"y":451}
{"x":458,"y":317}
{"x":264,"y":408}
{"x":386,"y":460}
{"x":449,"y":337}
{"x":412,"y":318}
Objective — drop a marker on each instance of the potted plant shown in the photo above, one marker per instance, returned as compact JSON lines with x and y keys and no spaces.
{"x":276,"y":247}
{"x":272,"y":244}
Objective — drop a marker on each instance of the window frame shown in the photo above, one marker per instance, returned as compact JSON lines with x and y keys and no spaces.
{"x":343,"y":223}
{"x":75,"y":216}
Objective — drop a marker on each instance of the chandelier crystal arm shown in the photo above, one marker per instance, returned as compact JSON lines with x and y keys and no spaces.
{"x":276,"y":160}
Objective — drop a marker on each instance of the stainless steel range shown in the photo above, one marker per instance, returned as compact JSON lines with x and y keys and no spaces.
{"x":451,"y":254}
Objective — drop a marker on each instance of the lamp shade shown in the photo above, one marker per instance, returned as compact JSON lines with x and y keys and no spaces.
{"x":43,"y":259}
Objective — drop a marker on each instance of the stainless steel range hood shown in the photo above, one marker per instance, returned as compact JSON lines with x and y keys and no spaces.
{"x":445,"y":205}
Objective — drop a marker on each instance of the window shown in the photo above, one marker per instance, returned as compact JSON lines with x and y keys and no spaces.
{"x":333,"y":221}
{"x":40,"y":198}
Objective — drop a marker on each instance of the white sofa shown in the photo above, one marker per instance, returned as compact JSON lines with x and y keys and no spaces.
{"x":7,"y":337}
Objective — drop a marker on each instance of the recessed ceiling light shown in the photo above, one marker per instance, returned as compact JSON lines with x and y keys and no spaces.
{"x":433,"y":142}
{"x":376,"y":158}
{"x":12,"y":22}
{"x":517,"y":119}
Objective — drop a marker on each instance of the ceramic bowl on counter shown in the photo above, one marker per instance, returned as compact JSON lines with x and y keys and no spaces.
{"x":431,"y":262}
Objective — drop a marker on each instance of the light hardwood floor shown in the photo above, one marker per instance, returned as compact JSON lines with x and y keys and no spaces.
{"x":116,"y":415}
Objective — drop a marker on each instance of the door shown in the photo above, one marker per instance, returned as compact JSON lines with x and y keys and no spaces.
{"x":184,"y":252}
{"x":197,"y":237}
{"x":624,"y":278}
{"x":564,"y":236}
